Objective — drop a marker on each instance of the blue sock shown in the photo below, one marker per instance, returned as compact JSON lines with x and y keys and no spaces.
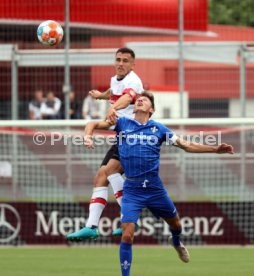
{"x":176,"y":236}
{"x":125,"y":258}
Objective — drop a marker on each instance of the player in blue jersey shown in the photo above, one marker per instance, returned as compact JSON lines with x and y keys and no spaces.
{"x":139,"y":142}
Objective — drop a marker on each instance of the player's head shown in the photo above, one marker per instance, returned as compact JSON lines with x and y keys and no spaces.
{"x":124,"y":62}
{"x":145,"y":103}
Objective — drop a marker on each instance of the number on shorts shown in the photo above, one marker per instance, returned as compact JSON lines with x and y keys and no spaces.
{"x":144,"y":183}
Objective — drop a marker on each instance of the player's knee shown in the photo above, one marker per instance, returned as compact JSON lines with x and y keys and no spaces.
{"x":101,"y":173}
{"x":127,"y":236}
{"x":128,"y":232}
{"x":113,"y":167}
{"x":176,"y":223}
{"x":101,"y":177}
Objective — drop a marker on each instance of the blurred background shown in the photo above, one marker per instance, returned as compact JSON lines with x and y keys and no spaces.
{"x":197,"y":56}
{"x":214,"y":32}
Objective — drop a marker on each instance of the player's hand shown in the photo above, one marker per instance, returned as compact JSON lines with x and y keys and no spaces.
{"x":95,"y":94}
{"x":111,"y":116}
{"x":225,"y":148}
{"x":88,"y":142}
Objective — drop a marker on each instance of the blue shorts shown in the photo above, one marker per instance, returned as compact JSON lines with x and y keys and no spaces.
{"x":158,"y":202}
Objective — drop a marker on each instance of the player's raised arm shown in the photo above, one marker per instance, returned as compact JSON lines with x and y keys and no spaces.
{"x":200,"y":148}
{"x":89,"y":129}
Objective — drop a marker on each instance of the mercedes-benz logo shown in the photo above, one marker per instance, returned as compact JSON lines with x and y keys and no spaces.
{"x":9,"y":223}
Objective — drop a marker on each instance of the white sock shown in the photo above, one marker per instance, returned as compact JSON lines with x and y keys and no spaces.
{"x":116,"y":180}
{"x":97,"y":205}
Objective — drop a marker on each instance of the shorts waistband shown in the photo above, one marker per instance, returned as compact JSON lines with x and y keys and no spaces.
{"x":135,"y":179}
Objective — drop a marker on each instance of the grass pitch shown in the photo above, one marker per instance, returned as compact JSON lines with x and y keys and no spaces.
{"x":103,"y":261}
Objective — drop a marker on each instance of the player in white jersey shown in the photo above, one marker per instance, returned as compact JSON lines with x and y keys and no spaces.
{"x":118,"y":87}
{"x":124,"y":88}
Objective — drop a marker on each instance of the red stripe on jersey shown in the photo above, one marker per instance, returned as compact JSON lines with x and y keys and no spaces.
{"x":118,"y":194}
{"x":98,"y":200}
{"x":130,"y":92}
{"x":114,"y":98}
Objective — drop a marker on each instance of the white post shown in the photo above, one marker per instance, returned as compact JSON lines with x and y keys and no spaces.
{"x":242,"y":82}
{"x":14,"y":85}
{"x":243,"y":114}
{"x":181,"y":90}
{"x":14,"y":116}
{"x":180,"y":50}
{"x":67,"y":90}
{"x":66,"y":87}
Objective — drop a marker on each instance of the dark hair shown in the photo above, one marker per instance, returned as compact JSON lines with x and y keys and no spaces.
{"x":150,"y":96}
{"x":126,"y":50}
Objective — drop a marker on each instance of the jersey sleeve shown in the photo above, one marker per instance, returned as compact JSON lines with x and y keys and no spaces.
{"x":168,"y":136}
{"x":133,"y":88}
{"x":119,"y":125}
{"x":131,"y":92}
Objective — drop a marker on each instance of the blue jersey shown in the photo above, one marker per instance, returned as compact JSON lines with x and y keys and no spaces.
{"x":139,"y":148}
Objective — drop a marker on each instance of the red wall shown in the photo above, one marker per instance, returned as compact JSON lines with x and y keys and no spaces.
{"x":155,"y":13}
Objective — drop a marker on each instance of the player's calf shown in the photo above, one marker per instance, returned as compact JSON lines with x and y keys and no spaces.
{"x":96,"y":207}
{"x":126,"y":248}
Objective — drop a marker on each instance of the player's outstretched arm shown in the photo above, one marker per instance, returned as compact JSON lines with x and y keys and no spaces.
{"x":200,"y":148}
{"x":100,"y":95}
{"x":89,"y":129}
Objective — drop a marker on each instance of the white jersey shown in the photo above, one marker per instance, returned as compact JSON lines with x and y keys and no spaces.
{"x":117,"y":87}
